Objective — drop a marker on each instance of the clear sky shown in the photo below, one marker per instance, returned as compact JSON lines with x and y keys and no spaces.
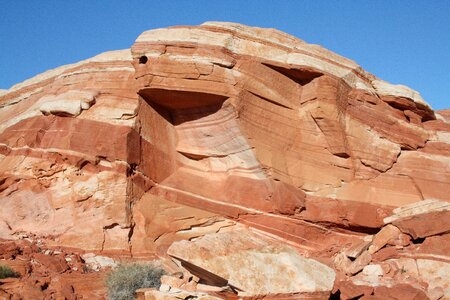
{"x":403,"y":42}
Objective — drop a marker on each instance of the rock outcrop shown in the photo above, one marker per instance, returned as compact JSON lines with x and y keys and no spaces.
{"x":221,"y":127}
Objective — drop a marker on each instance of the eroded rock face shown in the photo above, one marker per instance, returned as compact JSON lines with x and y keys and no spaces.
{"x":200,"y":129}
{"x":65,"y":137}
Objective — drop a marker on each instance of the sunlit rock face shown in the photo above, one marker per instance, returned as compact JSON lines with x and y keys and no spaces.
{"x":65,"y":140}
{"x":259,"y":124}
{"x":252,"y":265}
{"x":199,"y":128}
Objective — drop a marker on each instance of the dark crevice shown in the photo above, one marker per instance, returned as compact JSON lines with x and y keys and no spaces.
{"x":83,"y":164}
{"x":404,"y":147}
{"x":7,"y":224}
{"x":130,"y":232}
{"x":345,"y":228}
{"x":131,"y":170}
{"x":360,"y":229}
{"x":162,"y":111}
{"x":110,"y":226}
{"x":268,"y":100}
{"x":402,"y":103}
{"x":98,"y":158}
{"x":193,"y":156}
{"x":336,"y":295}
{"x":301,"y":76}
{"x":59,"y":114}
{"x":418,"y":241}
{"x":173,"y":99}
{"x":208,"y":277}
{"x":143,"y":60}
{"x":178,"y":107}
{"x":343,"y":155}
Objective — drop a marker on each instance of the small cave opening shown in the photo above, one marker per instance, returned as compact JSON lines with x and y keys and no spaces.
{"x":178,"y":107}
{"x":143,"y":60}
{"x":418,"y":241}
{"x":172,"y":125}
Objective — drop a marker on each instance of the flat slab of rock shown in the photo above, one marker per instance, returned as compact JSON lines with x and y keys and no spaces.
{"x":252,"y":265}
{"x":424,"y":225}
{"x":422,"y":219}
{"x":417,"y":208}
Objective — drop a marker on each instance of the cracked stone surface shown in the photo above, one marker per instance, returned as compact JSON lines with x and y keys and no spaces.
{"x":252,"y":265}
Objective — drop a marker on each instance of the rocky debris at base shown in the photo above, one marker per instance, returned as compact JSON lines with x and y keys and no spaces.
{"x":45,"y":273}
{"x":98,"y":262}
{"x":395,"y":261}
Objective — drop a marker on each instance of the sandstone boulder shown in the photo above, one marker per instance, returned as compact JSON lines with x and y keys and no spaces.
{"x":422,"y":219}
{"x":67,"y":104}
{"x":387,"y":234}
{"x":424,"y":225}
{"x":252,"y":265}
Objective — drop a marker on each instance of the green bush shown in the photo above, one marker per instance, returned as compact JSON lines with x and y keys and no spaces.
{"x":124,"y":280}
{"x":7,"y":272}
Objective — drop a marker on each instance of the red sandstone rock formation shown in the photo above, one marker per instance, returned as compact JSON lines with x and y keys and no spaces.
{"x":200,"y":129}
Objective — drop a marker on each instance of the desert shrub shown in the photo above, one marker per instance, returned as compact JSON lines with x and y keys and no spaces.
{"x":7,"y":272}
{"x":124,"y":280}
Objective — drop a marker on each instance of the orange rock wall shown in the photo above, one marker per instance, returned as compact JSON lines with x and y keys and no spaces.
{"x":247,"y":123}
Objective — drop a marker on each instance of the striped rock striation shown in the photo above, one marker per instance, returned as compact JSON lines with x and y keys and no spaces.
{"x":198,"y":129}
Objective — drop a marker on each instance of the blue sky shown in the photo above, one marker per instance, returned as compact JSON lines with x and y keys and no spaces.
{"x":403,"y":42}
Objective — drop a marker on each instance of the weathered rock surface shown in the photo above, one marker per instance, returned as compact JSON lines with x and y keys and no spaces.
{"x":251,"y":265}
{"x":212,"y":128}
